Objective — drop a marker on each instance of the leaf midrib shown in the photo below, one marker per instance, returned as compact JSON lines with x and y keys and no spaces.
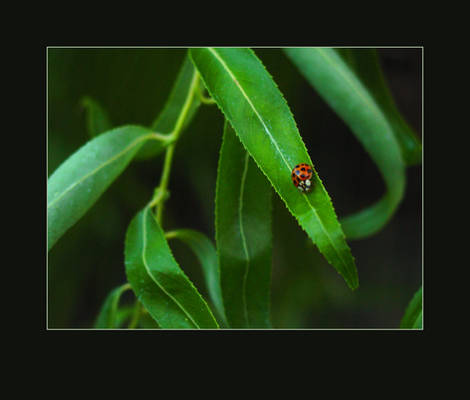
{"x":225,"y":66}
{"x":242,"y":233}
{"x":144,"y":260}
{"x":250,"y":103}
{"x":97,"y":169}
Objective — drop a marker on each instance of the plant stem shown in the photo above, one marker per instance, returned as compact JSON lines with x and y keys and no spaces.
{"x":161,"y":193}
{"x":204,"y":99}
{"x":135,"y":315}
{"x":162,"y":187}
{"x":171,"y":235}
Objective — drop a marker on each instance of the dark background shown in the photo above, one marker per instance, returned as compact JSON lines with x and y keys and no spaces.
{"x":132,"y":85}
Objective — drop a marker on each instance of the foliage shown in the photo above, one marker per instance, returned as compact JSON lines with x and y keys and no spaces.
{"x":260,"y":147}
{"x":413,"y":317}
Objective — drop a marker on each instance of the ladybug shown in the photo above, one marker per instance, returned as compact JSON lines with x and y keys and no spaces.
{"x":302,"y":177}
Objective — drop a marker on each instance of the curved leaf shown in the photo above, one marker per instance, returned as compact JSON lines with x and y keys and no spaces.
{"x":247,"y":95}
{"x":349,"y":98}
{"x":181,"y":93}
{"x":81,"y":179}
{"x":365,"y":63}
{"x":243,"y":234}
{"x":96,"y":117}
{"x":413,"y":317}
{"x":107,"y":318}
{"x":158,"y":281}
{"x":123,"y":314}
{"x":207,"y":256}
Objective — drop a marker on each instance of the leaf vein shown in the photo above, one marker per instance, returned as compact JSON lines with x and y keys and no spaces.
{"x":225,"y":66}
{"x":251,"y":105}
{"x":144,"y":259}
{"x":107,"y":162}
{"x":242,"y":233}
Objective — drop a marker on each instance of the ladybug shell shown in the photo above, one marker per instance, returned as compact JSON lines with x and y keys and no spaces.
{"x":301,"y":176}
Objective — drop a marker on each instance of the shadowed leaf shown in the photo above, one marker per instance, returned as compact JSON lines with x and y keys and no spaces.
{"x":250,"y":100}
{"x":81,"y":179}
{"x":243,"y":233}
{"x":339,"y":86}
{"x":413,"y":317}
{"x":158,"y":281}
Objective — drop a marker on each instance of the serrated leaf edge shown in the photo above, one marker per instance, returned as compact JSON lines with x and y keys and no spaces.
{"x":353,"y":282}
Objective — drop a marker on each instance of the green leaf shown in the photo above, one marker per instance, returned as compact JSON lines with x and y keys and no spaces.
{"x":123,"y":314}
{"x":107,"y":318}
{"x":168,"y":117}
{"x":81,"y":179}
{"x":243,"y":234}
{"x":96,"y":117}
{"x":158,"y":281}
{"x":349,"y":98}
{"x":147,"y":322}
{"x":413,"y":317}
{"x":365,"y":62}
{"x":250,"y":100}
{"x":207,"y":255}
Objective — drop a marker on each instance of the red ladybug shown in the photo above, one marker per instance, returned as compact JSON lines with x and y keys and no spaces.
{"x":302,"y":177}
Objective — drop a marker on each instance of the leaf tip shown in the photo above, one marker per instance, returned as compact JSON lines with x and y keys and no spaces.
{"x":354,"y":286}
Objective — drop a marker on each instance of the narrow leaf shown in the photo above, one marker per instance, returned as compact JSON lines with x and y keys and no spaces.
{"x":96,"y":117}
{"x":206,"y":253}
{"x":349,"y":98}
{"x":365,"y":63}
{"x":147,"y":322}
{"x":81,"y":179}
{"x":243,"y":235}
{"x":107,"y":318}
{"x":123,"y":315}
{"x":181,"y":93}
{"x":250,"y":100}
{"x":158,"y":281}
{"x":413,"y":317}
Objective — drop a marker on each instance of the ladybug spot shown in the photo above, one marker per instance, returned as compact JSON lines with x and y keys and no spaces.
{"x":309,"y":171}
{"x":303,"y":176}
{"x":302,"y":169}
{"x":297,"y":166}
